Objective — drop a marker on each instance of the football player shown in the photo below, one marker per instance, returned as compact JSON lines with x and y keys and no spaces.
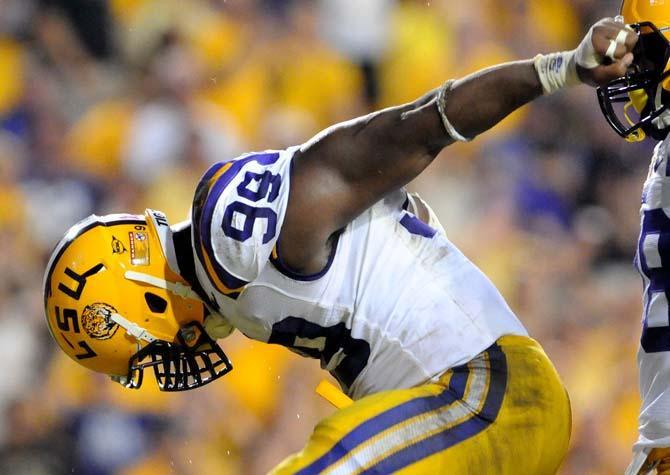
{"x":319,"y":248}
{"x":636,"y":106}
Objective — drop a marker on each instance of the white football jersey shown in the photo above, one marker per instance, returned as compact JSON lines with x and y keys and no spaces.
{"x":653,"y":263}
{"x":397,"y":304}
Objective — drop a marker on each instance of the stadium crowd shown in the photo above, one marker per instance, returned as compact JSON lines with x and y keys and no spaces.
{"x":119,"y":105}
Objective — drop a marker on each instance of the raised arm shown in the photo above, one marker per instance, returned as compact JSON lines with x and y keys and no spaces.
{"x":350,"y":166}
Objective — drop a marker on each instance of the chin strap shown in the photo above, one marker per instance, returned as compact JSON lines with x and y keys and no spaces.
{"x":638,"y":135}
{"x":177,"y":288}
{"x":122,"y":380}
{"x":133,"y":329}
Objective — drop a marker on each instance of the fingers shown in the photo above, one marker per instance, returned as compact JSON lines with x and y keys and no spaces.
{"x":621,"y":49}
{"x":606,"y":52}
{"x":662,"y":457}
{"x":624,"y":35}
{"x":618,"y":68}
{"x":663,"y":468}
{"x":615,"y":38}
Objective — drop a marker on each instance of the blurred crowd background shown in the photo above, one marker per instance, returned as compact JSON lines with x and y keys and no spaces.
{"x":119,"y":105}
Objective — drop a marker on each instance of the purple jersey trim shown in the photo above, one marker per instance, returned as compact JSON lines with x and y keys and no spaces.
{"x":415,"y":226}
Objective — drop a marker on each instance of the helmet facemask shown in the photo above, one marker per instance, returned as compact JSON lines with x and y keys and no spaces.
{"x":636,"y":105}
{"x":193,"y":361}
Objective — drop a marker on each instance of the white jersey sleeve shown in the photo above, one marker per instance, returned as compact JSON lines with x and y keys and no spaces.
{"x":653,"y":262}
{"x":237,"y":213}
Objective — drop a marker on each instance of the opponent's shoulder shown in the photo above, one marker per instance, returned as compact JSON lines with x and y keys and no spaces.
{"x":237,"y":212}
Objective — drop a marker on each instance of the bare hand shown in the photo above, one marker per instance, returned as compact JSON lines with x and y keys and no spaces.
{"x":660,"y":459}
{"x":594,"y":67}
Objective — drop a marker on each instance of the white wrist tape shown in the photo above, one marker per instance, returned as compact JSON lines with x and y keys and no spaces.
{"x":556,"y":70}
{"x":559,"y":70}
{"x":585,"y":54}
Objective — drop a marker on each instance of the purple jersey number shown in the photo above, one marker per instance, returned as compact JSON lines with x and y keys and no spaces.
{"x":656,"y":234}
{"x":255,"y":187}
{"x":344,"y":356}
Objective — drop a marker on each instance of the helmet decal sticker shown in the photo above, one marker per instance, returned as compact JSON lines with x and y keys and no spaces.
{"x":96,"y":319}
{"x":139,"y":246}
{"x":117,"y":246}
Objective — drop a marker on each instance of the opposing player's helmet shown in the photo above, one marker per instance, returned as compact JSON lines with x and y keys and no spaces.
{"x":116,"y":303}
{"x":646,"y":86}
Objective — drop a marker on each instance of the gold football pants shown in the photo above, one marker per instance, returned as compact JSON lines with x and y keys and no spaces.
{"x":504,"y":412}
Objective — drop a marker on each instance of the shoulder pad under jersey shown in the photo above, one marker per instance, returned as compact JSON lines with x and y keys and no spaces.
{"x":238,"y":210}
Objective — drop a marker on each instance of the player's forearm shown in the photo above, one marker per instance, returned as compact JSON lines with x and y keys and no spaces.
{"x":481,"y":100}
{"x":478,"y":102}
{"x":362,"y":160}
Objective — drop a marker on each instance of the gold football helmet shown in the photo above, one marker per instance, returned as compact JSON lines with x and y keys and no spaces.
{"x":646,"y":87}
{"x":116,"y":303}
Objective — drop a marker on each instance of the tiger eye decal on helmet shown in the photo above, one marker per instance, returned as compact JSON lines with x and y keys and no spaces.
{"x":96,"y":320}
{"x":117,"y":246}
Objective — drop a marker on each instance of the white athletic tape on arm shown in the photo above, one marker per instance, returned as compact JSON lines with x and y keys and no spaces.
{"x":556,"y":70}
{"x":623,"y":34}
{"x":559,"y":70}
{"x":620,"y":40}
{"x":611,"y":49}
{"x":585,"y":54}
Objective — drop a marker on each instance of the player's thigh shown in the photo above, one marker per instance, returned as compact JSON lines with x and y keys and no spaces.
{"x":338,"y":435}
{"x":531,"y":432}
{"x":505,"y":412}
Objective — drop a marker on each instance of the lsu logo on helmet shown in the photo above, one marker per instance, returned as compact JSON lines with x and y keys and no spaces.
{"x":96,"y":319}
